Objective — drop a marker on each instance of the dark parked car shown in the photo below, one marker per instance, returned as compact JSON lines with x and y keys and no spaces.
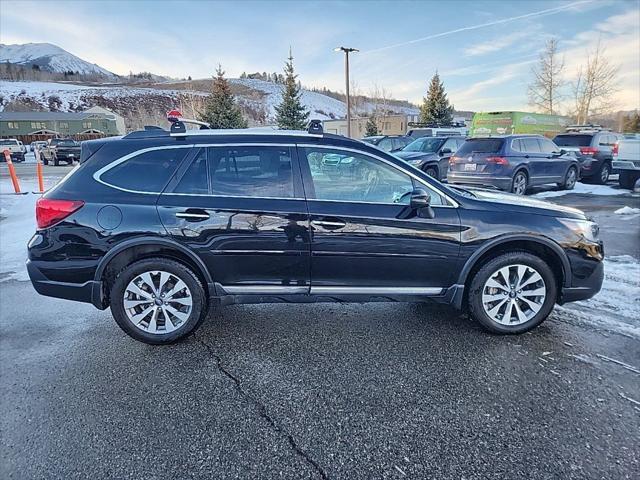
{"x":594,"y":150}
{"x":513,"y":163}
{"x":431,"y":154}
{"x":389,"y":143}
{"x":159,"y":226}
{"x":60,"y":150}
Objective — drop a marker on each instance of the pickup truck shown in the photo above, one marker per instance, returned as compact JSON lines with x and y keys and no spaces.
{"x":60,"y":150}
{"x":15,"y":147}
{"x":627,"y":160}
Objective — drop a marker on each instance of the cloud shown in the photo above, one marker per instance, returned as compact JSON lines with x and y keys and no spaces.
{"x":499,"y":43}
{"x":539,"y":13}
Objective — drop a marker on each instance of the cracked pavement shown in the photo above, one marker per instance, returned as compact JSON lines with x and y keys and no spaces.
{"x":312,"y":391}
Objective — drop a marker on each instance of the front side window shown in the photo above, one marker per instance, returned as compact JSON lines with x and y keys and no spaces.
{"x":386,"y":145}
{"x":424,"y":144}
{"x":146,"y":172}
{"x":346,"y":176}
{"x":530,"y":145}
{"x":251,"y":171}
{"x":451,"y":144}
{"x":548,"y":146}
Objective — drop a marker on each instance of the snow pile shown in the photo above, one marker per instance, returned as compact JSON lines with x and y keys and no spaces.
{"x":583,"y":188}
{"x":627,"y":211}
{"x":17,"y":225}
{"x":50,"y":58}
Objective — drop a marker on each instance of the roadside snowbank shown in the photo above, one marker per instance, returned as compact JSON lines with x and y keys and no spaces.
{"x":626,"y":210}
{"x":583,"y":188}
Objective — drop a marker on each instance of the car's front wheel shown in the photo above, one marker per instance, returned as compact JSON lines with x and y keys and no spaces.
{"x":158,"y":301}
{"x":512,"y":293}
{"x":432,"y":172}
{"x":570,"y":179}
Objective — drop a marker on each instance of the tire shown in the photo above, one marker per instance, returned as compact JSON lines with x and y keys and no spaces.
{"x":522,"y":317}
{"x":520,"y":182}
{"x":602,"y":175}
{"x":56,"y":162}
{"x":570,"y":179}
{"x":432,"y":172}
{"x":628,"y":178}
{"x":131,"y":318}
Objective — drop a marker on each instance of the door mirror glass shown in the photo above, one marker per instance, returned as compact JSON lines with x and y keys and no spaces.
{"x":445,"y":151}
{"x":421,"y":203}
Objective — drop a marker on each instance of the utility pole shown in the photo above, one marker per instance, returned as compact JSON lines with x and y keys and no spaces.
{"x":346,"y":51}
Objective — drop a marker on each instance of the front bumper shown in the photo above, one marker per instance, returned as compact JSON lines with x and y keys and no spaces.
{"x":586,"y":282}
{"x":87,"y":292}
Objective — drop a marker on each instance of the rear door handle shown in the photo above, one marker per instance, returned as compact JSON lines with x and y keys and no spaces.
{"x":193,"y":215}
{"x":329,"y":224}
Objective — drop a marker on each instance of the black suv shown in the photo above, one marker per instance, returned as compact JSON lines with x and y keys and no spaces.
{"x":159,"y":226}
{"x":594,"y":151}
{"x":389,"y":143}
{"x":431,"y":154}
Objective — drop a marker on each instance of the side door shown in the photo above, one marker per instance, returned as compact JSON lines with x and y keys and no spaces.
{"x":533,"y":157}
{"x":241,"y":208}
{"x":557,"y":164}
{"x":363,"y":241}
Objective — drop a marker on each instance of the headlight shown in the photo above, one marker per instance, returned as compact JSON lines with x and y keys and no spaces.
{"x":585,"y":228}
{"x":416,"y":161}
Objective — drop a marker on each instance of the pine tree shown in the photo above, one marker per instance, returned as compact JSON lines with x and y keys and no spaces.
{"x":435,"y":107}
{"x":372,"y":127}
{"x":220,"y":110}
{"x":291,"y":114}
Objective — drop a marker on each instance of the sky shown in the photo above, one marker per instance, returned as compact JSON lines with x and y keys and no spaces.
{"x":483,"y":50}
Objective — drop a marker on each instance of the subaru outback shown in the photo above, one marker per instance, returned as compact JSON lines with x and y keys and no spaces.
{"x":161,"y":225}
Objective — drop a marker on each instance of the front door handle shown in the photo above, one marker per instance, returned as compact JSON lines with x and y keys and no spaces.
{"x":193,"y":215}
{"x":329,"y":224}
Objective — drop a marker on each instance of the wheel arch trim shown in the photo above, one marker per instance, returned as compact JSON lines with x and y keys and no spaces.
{"x":496,"y":242}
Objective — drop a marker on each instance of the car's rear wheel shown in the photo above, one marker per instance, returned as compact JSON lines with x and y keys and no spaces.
{"x":158,"y":301}
{"x":570,"y":179}
{"x":519,"y":183}
{"x":56,"y":162}
{"x":512,"y":293}
{"x":602,"y":176}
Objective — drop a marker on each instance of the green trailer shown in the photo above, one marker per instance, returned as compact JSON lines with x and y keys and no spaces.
{"x":506,"y":123}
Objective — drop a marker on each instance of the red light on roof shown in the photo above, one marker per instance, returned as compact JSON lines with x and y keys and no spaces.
{"x":174,"y":115}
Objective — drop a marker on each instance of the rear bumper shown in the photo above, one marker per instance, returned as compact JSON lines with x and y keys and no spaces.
{"x":503,"y":183}
{"x":87,"y":292}
{"x":626,"y":165}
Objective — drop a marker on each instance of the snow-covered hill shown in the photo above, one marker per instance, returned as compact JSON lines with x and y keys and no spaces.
{"x":50,"y":58}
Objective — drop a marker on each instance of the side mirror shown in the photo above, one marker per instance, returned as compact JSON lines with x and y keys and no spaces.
{"x":421,"y":202}
{"x":445,"y":151}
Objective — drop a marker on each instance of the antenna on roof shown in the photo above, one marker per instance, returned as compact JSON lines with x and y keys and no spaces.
{"x":315,"y":127}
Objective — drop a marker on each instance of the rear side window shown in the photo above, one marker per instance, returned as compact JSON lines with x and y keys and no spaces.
{"x":573,"y":140}
{"x":251,"y":172}
{"x":480,"y":145}
{"x":146,"y":172}
{"x":195,"y":178}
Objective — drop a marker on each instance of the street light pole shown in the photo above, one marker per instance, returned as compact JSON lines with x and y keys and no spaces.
{"x":346,"y":51}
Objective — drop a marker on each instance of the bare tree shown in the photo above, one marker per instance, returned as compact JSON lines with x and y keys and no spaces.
{"x":545,"y":89}
{"x":595,"y":85}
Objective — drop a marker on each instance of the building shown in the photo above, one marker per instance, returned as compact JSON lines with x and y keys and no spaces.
{"x":96,"y":121}
{"x":395,"y":124}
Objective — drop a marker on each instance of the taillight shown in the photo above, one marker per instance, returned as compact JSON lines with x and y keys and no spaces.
{"x":453,"y":160}
{"x":49,"y":212}
{"x":588,"y":150}
{"x":614,"y":150}
{"x":498,"y":160}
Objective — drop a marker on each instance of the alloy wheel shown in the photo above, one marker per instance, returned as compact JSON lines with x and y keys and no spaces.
{"x":157,"y":302}
{"x":520,"y":184}
{"x":604,"y":173}
{"x":571,"y":179}
{"x":513,"y":295}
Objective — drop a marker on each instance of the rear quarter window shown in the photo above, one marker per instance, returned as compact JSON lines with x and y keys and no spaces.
{"x":573,"y":140}
{"x":147,"y":172}
{"x":481,"y":145}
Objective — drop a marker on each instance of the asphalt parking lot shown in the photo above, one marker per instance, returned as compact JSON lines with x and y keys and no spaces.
{"x":320,"y":391}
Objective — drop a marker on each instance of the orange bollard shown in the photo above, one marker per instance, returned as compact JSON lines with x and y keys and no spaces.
{"x":39,"y":172}
{"x":12,"y":171}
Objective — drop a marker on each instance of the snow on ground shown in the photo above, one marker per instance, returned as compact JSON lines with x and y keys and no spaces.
{"x":626,"y":210}
{"x":583,"y":188}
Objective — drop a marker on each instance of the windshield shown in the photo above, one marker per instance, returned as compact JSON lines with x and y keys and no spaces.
{"x":66,"y":143}
{"x":8,"y":142}
{"x":573,"y":140}
{"x":372,"y":140}
{"x":424,"y":144}
{"x":480,"y":145}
